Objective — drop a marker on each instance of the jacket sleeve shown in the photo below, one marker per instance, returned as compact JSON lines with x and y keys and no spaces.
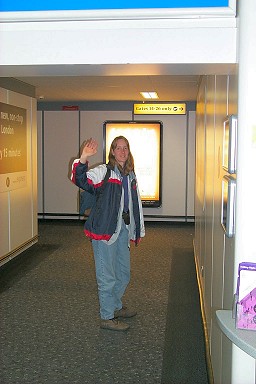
{"x":79,"y":175}
{"x":139,"y":230}
{"x":89,"y":180}
{"x":142,"y":225}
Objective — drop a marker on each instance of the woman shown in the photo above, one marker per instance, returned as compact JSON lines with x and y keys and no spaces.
{"x":115,"y":219}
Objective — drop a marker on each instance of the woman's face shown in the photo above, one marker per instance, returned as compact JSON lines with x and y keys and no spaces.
{"x":121,"y":152}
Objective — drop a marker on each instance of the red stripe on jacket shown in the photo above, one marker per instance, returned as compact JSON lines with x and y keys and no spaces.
{"x":96,"y":237}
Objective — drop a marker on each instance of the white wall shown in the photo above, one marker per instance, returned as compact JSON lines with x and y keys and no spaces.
{"x":194,"y":40}
{"x":18,"y":207}
{"x":61,"y":134}
{"x":245,"y":246}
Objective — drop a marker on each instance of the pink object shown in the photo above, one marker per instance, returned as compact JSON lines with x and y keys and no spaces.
{"x":246,"y":296}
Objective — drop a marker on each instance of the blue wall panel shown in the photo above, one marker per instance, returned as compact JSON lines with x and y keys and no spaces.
{"x":48,"y":5}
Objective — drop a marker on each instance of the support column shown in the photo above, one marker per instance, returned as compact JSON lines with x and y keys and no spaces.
{"x":245,"y":239}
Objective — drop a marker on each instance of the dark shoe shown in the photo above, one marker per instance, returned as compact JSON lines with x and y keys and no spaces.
{"x":125,"y":312}
{"x":114,"y":325}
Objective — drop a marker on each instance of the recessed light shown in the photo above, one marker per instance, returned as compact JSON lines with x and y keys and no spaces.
{"x":149,"y":95}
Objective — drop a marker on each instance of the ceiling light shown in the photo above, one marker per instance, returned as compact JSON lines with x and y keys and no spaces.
{"x":149,"y":95}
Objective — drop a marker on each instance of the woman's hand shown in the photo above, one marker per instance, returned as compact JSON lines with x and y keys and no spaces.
{"x":89,"y":149}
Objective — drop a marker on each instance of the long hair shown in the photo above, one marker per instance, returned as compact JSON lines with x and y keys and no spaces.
{"x":129,"y":164}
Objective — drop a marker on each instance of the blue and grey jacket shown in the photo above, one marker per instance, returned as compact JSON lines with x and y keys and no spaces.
{"x":105,"y":220}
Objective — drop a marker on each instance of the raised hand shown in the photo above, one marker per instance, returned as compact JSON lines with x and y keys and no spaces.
{"x":89,"y":149}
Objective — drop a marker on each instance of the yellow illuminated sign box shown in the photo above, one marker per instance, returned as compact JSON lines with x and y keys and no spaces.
{"x":160,"y":109}
{"x":145,"y":138}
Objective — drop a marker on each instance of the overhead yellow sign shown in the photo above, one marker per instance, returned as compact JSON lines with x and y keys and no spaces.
{"x":160,"y":109}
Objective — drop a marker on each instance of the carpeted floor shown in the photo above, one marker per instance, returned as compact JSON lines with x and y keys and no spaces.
{"x":49,"y":313}
{"x":185,"y":342}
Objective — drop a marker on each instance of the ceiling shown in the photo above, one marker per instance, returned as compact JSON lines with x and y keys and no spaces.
{"x":172,"y":82}
{"x":98,"y":88}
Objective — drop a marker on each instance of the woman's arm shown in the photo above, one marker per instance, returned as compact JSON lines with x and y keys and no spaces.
{"x":80,"y":166}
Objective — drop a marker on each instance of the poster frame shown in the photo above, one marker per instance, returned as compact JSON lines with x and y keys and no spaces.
{"x":228,"y":205}
{"x":229,"y":147}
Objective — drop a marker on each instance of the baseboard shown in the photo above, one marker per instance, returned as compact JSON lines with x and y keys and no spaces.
{"x":17,"y":251}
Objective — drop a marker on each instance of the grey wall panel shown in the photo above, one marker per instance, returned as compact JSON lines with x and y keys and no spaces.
{"x":173,"y":165}
{"x":92,"y":126}
{"x":34,"y":158}
{"x":40,"y":161}
{"x":21,"y":229}
{"x":218,"y":249}
{"x":5,"y":223}
{"x":21,"y":200}
{"x":4,"y":203}
{"x":230,"y":277}
{"x":213,"y":249}
{"x":209,"y":192}
{"x":199,"y":179}
{"x":3,"y":95}
{"x":18,"y":207}
{"x":61,"y":142}
{"x":177,"y":154}
{"x":191,"y":148}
